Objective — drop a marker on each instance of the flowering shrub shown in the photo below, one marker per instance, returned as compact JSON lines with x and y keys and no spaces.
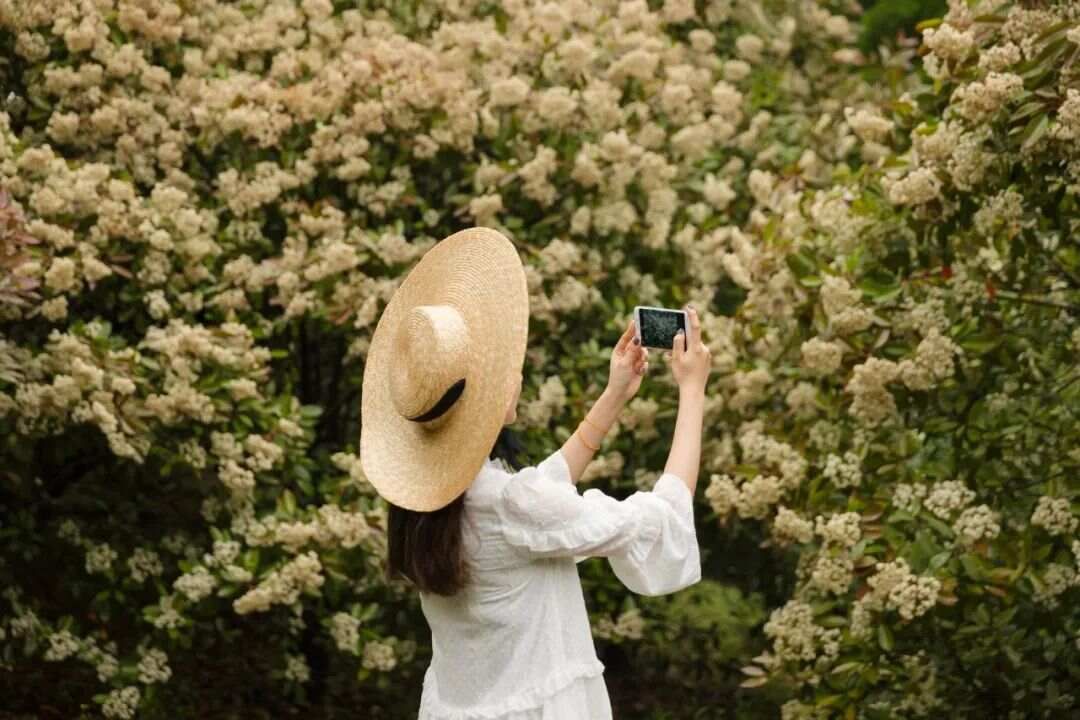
{"x":918,"y":320}
{"x":211,"y":203}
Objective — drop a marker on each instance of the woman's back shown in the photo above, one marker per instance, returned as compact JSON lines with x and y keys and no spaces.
{"x":516,"y":643}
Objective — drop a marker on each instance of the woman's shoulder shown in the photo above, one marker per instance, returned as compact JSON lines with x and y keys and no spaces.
{"x":488,"y":483}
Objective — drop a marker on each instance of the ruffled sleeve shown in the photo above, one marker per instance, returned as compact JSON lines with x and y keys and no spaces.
{"x":649,"y":538}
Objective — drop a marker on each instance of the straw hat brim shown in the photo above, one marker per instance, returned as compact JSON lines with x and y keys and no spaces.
{"x":478,"y":272}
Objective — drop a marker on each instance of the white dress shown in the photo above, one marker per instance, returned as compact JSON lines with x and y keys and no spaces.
{"x":516,"y":643}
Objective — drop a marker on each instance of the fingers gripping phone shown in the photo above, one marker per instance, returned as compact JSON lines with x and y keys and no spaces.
{"x":655,"y":327}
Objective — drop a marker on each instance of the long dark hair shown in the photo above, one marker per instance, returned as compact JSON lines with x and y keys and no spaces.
{"x":426,"y":547}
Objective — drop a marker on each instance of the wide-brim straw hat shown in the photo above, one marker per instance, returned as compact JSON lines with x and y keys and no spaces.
{"x":441,"y":369}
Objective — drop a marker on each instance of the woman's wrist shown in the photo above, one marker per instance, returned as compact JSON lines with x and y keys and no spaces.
{"x":611,"y":402}
{"x":615,"y":397}
{"x":599,"y":418}
{"x":691,"y":389}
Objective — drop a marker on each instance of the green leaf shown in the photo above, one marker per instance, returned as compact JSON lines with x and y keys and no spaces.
{"x":980,"y":343}
{"x":845,"y":667}
{"x":942,"y":529}
{"x":286,"y":502}
{"x":802,"y":264}
{"x":311,"y":411}
{"x":1042,"y":124}
{"x":972,"y":567}
{"x":880,"y":285}
{"x":885,"y":637}
{"x":1027,"y":110}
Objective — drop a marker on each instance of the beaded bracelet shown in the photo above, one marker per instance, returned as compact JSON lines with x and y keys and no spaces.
{"x":598,"y":428}
{"x":582,"y":439}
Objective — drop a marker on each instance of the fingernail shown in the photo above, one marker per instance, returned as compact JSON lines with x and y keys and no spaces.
{"x":680,"y":331}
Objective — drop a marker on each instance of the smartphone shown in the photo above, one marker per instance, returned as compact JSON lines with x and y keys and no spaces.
{"x":655,"y":327}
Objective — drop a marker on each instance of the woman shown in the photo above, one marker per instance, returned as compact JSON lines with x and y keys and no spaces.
{"x":492,"y":547}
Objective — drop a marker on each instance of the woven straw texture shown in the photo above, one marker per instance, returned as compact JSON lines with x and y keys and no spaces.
{"x":424,"y":466}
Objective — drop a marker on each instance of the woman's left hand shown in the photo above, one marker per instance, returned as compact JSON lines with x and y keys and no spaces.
{"x":629,"y":362}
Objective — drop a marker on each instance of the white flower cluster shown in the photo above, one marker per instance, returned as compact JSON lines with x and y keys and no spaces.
{"x":797,"y":638}
{"x":70,"y":532}
{"x":1003,"y":210}
{"x":379,"y":656}
{"x":757,"y":447}
{"x":121,"y":703}
{"x":833,"y":572}
{"x":895,"y":587}
{"x":167,"y":616}
{"x":1067,"y":125}
{"x":844,"y":471}
{"x":933,"y":361}
{"x":757,"y":496}
{"x":721,"y":494}
{"x":909,"y":497}
{"x":754,"y":498}
{"x":918,"y":187}
{"x":224,"y":554}
{"x":350,"y":464}
{"x":62,"y":645}
{"x":795,"y":710}
{"x":25,"y":624}
{"x":825,"y":435}
{"x":296,"y":669}
{"x":645,"y":479}
{"x":99,"y":558}
{"x":802,"y":398}
{"x":977,"y":101}
{"x":977,"y":523}
{"x":920,"y":316}
{"x":1054,"y":514}
{"x":239,"y":461}
{"x":640,"y":416}
{"x":144,"y":563}
{"x":559,"y":256}
{"x":840,"y":302}
{"x":608,"y":465}
{"x":948,"y":496}
{"x":551,"y":398}
{"x":283,"y":585}
{"x":788,"y":526}
{"x":1055,"y":580}
{"x":872,"y":402}
{"x":629,"y":625}
{"x":750,"y":388}
{"x":840,"y":529}
{"x":998,"y":57}
{"x":868,"y":124}
{"x":923,"y":694}
{"x":154,"y":667}
{"x":345,"y":630}
{"x":948,"y":43}
{"x":821,"y":357}
{"x":196,"y":584}
{"x":105,"y":664}
{"x":330,"y":527}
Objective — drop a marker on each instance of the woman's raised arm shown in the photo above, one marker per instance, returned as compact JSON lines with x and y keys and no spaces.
{"x":690,"y":364}
{"x":629,"y":362}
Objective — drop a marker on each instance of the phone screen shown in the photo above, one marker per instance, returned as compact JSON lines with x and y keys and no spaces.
{"x":658,"y":327}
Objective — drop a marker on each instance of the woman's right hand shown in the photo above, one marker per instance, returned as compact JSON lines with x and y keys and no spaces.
{"x":691,"y":362}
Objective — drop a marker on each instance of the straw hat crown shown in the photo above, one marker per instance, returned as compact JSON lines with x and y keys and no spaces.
{"x":430,"y":347}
